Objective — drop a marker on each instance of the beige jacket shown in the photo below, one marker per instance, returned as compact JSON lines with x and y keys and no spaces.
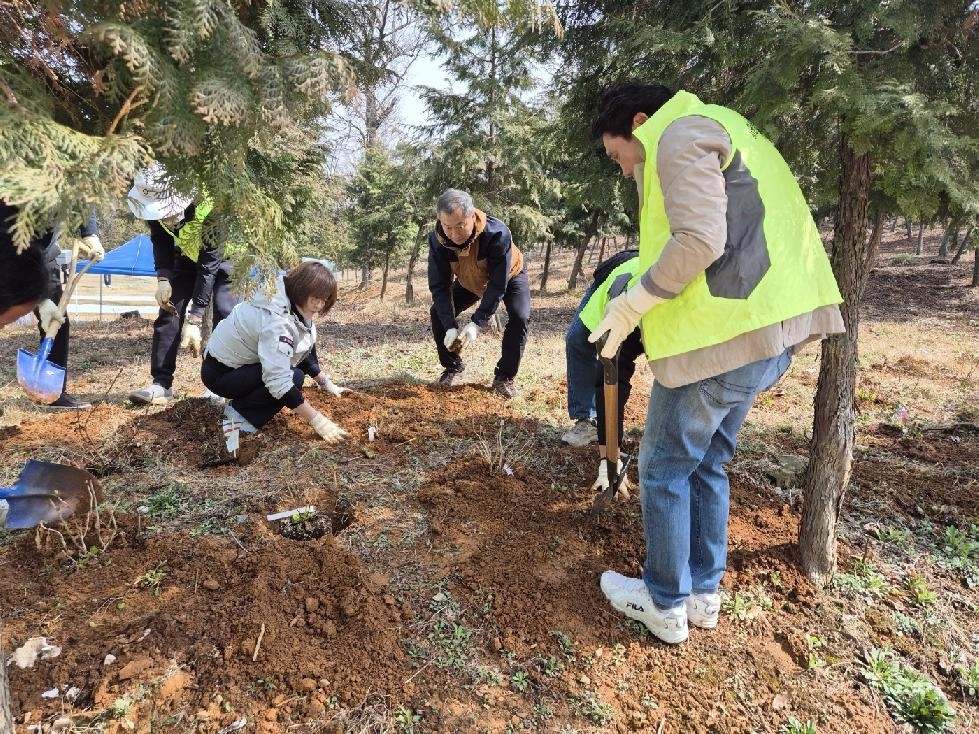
{"x":687,"y":163}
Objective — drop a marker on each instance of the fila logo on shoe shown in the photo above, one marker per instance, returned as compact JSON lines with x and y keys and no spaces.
{"x":637,"y":607}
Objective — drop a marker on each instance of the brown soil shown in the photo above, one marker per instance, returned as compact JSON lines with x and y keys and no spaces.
{"x":443,"y":585}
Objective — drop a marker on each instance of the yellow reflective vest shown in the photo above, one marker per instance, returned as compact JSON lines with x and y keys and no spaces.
{"x":189,"y":238}
{"x":774,"y":266}
{"x":593,"y":311}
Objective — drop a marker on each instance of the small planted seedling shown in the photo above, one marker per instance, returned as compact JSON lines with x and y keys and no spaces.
{"x":153,"y":578}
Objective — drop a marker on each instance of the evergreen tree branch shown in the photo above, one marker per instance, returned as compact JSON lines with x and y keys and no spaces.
{"x":128,"y":106}
{"x":12,"y":97}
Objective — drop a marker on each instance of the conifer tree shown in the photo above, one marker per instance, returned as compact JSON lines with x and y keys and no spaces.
{"x":382,"y":226}
{"x":490,"y":140}
{"x":227,"y":95}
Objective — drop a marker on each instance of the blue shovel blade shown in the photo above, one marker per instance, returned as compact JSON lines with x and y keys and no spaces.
{"x":47,"y":493}
{"x":40,"y":378}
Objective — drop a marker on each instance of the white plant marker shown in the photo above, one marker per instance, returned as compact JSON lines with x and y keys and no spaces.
{"x":307,"y":510}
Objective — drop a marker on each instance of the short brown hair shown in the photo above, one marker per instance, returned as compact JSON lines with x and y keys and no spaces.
{"x":311,"y":280}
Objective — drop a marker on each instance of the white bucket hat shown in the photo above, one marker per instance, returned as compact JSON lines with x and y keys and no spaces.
{"x":152,"y":196}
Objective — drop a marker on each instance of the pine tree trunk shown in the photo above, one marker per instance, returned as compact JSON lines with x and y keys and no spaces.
{"x":366,"y":276}
{"x":384,"y":274}
{"x":601,"y":250}
{"x":962,"y":246}
{"x":590,"y":231}
{"x":831,"y":447}
{"x":6,"y":715}
{"x":975,"y":266}
{"x":920,"y":244}
{"x":412,"y":261}
{"x":547,"y":266}
{"x":951,"y":230}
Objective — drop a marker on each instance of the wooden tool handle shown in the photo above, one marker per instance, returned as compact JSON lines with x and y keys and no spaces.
{"x":73,"y":277}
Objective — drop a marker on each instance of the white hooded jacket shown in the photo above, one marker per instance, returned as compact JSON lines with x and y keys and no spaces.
{"x":264,"y":331}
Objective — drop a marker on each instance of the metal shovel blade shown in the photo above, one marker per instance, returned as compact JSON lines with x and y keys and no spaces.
{"x":48,"y":493}
{"x":40,"y":378}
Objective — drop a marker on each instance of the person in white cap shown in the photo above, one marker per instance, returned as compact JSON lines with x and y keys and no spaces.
{"x":189,"y":276}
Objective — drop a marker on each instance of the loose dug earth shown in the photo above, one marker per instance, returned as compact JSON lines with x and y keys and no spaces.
{"x":448,"y":581}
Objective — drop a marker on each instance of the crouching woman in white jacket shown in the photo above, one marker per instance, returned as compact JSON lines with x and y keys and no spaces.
{"x":259,"y":355}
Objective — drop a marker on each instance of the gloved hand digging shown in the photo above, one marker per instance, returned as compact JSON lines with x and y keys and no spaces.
{"x":49,"y":314}
{"x":164,"y":292}
{"x":602,"y":483}
{"x":450,"y":340}
{"x":327,"y":429}
{"x":92,"y":248}
{"x":622,"y":315}
{"x":469,"y":334}
{"x":323,"y":382}
{"x":190,"y":338}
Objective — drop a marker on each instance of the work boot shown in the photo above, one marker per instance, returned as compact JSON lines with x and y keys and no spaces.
{"x":449,"y":377}
{"x":583,"y":433}
{"x":70,"y":402}
{"x":631,"y":597}
{"x":152,"y":395}
{"x":504,"y":387}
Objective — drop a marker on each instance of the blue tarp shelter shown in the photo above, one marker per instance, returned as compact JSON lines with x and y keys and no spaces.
{"x":132,"y":258}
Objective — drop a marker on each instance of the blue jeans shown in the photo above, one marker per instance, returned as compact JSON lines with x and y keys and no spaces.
{"x":691,"y":433}
{"x":583,"y":367}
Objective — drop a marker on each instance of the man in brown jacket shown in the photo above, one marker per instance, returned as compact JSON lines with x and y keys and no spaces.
{"x":471,"y":257}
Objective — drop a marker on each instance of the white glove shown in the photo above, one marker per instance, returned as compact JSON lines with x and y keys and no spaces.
{"x":49,"y":314}
{"x":163,"y":294}
{"x":469,"y":334}
{"x":92,"y":246}
{"x":323,"y":382}
{"x":450,"y":336}
{"x":622,"y":315}
{"x":601,"y":484}
{"x":190,"y":337}
{"x":327,"y":429}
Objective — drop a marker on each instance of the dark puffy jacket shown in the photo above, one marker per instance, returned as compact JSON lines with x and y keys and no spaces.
{"x":496,"y":260}
{"x":45,"y":243}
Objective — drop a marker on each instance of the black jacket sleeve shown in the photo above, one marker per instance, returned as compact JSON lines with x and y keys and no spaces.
{"x":164,"y":250}
{"x":90,"y":227}
{"x":440,"y":282}
{"x":497,"y":245}
{"x":310,"y":364}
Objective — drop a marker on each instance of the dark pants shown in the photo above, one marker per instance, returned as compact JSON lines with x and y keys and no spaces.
{"x":630,"y":350}
{"x":244,"y":387}
{"x":59,"y":349}
{"x":516,"y":300}
{"x":166,"y":328}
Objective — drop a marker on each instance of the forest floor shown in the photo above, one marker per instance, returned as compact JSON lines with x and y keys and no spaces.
{"x":448,"y":580}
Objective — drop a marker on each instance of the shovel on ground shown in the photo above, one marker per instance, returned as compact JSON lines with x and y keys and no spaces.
{"x":41,"y":379}
{"x":610,"y":395}
{"x":46,"y":493}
